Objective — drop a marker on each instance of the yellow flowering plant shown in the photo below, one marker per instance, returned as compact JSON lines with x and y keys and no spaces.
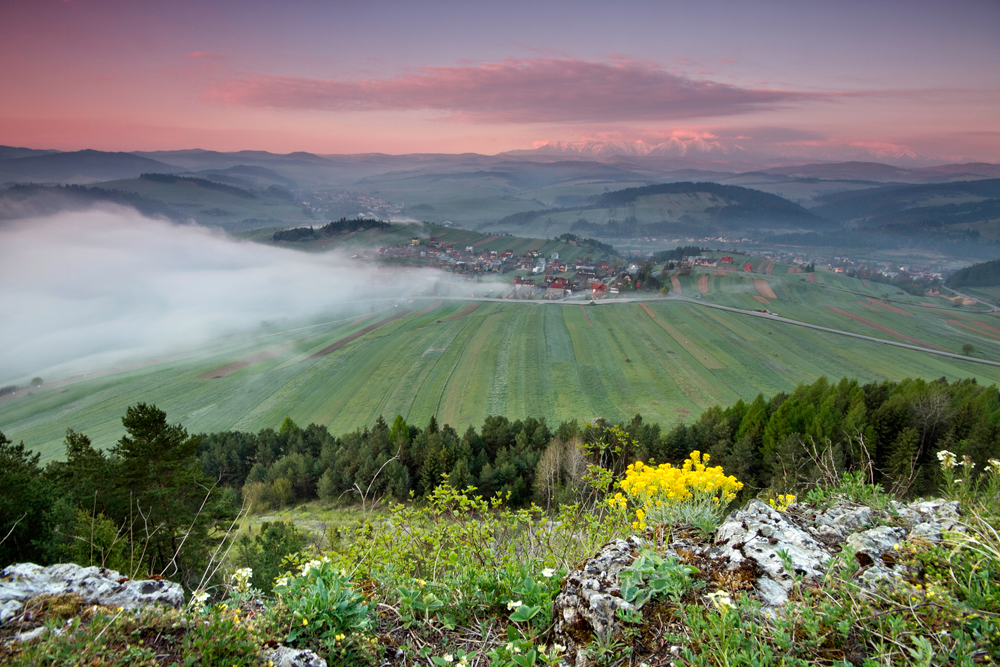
{"x":692,"y":493}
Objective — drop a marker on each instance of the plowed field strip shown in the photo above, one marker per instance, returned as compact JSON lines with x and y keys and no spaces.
{"x":811,"y":277}
{"x":703,"y":284}
{"x":764,"y":289}
{"x":468,"y":309}
{"x":354,"y":336}
{"x":978,"y":324}
{"x":870,"y":306}
{"x":760,"y":267}
{"x":242,"y":363}
{"x":795,"y":269}
{"x":760,"y":299}
{"x":675,"y":284}
{"x":886,"y":330}
{"x":430,"y":309}
{"x":972,"y":328}
{"x":486,"y":240}
{"x":585,"y":316}
{"x":770,"y":267}
{"x":888,"y":306}
{"x":692,"y":348}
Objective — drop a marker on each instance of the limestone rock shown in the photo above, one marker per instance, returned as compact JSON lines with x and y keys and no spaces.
{"x":284,"y":656}
{"x":95,"y":585}
{"x":927,"y":519}
{"x":876,"y":541}
{"x":591,"y":595}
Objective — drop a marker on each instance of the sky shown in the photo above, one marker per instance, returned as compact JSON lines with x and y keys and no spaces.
{"x":890,"y":80}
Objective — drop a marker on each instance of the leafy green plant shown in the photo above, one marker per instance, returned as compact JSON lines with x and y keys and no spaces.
{"x":653,"y":575}
{"x":325,"y":609}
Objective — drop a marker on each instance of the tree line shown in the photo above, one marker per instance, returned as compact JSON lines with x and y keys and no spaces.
{"x":159,"y":500}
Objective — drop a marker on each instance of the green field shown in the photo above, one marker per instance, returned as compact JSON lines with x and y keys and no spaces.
{"x":558,"y":361}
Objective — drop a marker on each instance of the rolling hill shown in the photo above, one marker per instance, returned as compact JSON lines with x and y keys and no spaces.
{"x":462,"y":360}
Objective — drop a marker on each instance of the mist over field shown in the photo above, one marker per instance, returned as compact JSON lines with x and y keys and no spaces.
{"x":88,"y":289}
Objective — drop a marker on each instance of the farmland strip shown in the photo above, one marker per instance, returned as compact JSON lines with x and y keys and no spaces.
{"x":692,"y":348}
{"x":870,"y":306}
{"x":430,"y":309}
{"x":886,"y":330}
{"x":764,"y":289}
{"x":760,"y":299}
{"x":769,"y":269}
{"x":811,"y":277}
{"x":760,"y":267}
{"x":486,"y":240}
{"x":468,"y":309}
{"x":972,"y":328}
{"x":978,"y":324}
{"x":703,"y":284}
{"x":585,"y":316}
{"x":354,"y":336}
{"x":228,"y":369}
{"x":888,"y":306}
{"x":676,"y":285}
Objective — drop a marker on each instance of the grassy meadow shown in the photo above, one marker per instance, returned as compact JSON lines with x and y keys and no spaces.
{"x":667,"y":359}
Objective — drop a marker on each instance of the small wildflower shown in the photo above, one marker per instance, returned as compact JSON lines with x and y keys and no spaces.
{"x":896,"y":547}
{"x":946,"y":458}
{"x":558,"y":648}
{"x":548,"y":572}
{"x":720,"y":599}
{"x":421,"y":583}
{"x":448,"y":657}
{"x":199,"y":598}
{"x":514,"y":604}
{"x":305,"y":621}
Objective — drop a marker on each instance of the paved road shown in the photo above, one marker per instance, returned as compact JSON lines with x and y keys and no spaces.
{"x":750,"y":313}
{"x":989,"y":305}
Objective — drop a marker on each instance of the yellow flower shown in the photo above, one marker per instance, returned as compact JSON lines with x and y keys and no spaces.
{"x":305,"y":621}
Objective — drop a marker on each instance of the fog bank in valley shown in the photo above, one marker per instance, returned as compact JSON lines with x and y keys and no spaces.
{"x":85,"y":290}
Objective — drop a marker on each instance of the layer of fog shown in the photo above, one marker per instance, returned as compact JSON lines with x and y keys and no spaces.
{"x":85,"y":290}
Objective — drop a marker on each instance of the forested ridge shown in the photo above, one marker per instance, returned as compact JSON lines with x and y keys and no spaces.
{"x":159,"y":475}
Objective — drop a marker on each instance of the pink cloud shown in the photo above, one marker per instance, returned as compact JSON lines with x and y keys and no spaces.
{"x":518,"y":90}
{"x":203,"y":55}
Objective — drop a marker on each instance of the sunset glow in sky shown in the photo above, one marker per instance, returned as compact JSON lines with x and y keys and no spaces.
{"x":846,"y":80}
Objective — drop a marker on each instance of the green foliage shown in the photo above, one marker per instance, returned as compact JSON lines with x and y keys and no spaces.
{"x":265,"y":550}
{"x":25,"y":505}
{"x":652,"y":575}
{"x":325,"y":610}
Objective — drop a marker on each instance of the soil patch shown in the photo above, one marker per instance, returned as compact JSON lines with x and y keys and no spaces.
{"x":978,"y":324}
{"x":703,"y":284}
{"x":648,"y":311}
{"x":585,"y":316}
{"x":354,"y":336}
{"x":970,"y":327}
{"x":811,"y":277}
{"x":769,"y":269}
{"x":870,"y":306}
{"x":486,"y":240}
{"x":761,"y":299}
{"x":430,"y":309}
{"x":764,"y":289}
{"x":228,"y":369}
{"x":795,"y":269}
{"x":885,"y":330}
{"x":760,"y":267}
{"x":888,"y":306}
{"x":675,"y":284}
{"x":468,"y":309}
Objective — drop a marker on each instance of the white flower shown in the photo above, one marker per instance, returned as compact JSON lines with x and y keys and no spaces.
{"x":946,"y":458}
{"x":994,"y":465}
{"x":241,"y":579}
{"x":548,"y":572}
{"x":199,"y":598}
{"x":967,"y":462}
{"x":514,"y":604}
{"x":720,"y":599}
{"x":448,"y":657}
{"x":558,"y":648}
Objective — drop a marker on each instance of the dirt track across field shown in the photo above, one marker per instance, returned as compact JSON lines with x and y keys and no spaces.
{"x":883,"y":329}
{"x":978,"y":324}
{"x":354,"y":336}
{"x":648,"y":311}
{"x":585,"y":316}
{"x":764,"y":289}
{"x":228,"y":369}
{"x":970,"y":327}
{"x":468,"y":309}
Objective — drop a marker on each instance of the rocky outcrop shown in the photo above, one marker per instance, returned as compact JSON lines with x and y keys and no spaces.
{"x":778,"y":547}
{"x":96,"y":586}
{"x":283,"y":656}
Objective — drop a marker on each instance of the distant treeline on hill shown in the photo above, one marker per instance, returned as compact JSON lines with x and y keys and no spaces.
{"x":342,"y":226}
{"x":978,"y":275}
{"x":200,"y":182}
{"x":573,"y":239}
{"x":20,"y":200}
{"x":888,"y":431}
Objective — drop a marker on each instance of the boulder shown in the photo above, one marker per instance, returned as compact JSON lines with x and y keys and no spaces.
{"x":591,"y":595}
{"x":95,"y":585}
{"x":284,"y":656}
